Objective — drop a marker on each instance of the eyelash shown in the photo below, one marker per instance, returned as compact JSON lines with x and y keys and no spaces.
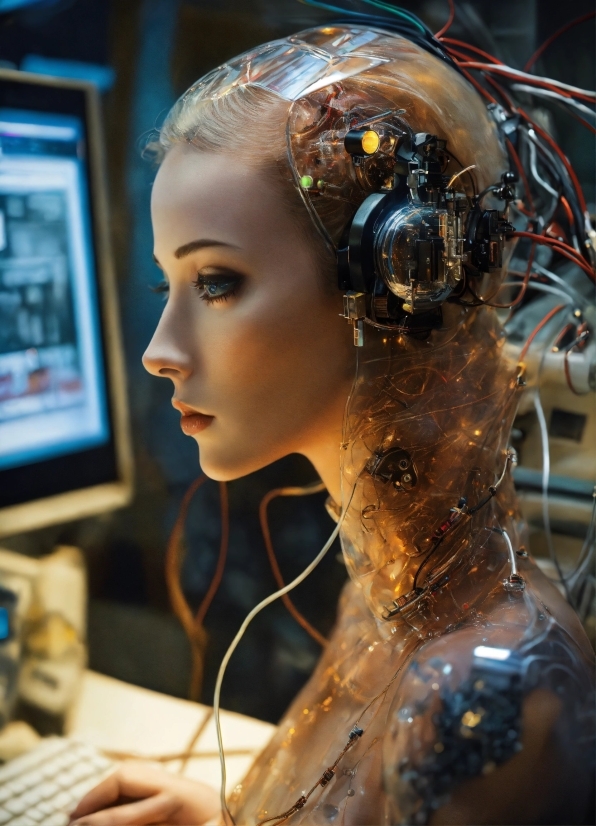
{"x":201,"y":283}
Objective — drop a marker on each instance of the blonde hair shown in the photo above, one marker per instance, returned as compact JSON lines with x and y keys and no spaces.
{"x":249,"y":122}
{"x":258,"y":125}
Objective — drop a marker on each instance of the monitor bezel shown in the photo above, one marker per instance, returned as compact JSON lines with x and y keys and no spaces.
{"x":88,"y":501}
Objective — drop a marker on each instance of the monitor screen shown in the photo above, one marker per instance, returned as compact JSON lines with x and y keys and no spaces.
{"x":52,"y":382}
{"x":56,"y":375}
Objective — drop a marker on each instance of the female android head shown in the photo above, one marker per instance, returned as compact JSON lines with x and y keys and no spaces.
{"x":254,"y":193}
{"x":286,"y":106}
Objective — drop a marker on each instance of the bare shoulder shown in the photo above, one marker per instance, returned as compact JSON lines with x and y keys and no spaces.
{"x":493,"y":723}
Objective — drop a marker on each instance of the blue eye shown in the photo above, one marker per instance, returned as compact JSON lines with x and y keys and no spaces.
{"x":217,"y":288}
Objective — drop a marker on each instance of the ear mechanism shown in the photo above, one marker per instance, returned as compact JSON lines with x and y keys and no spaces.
{"x":416,"y":240}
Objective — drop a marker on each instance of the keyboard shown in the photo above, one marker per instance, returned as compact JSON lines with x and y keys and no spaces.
{"x":41,"y":787}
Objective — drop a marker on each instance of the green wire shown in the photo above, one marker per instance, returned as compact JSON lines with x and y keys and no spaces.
{"x":397,"y":11}
{"x":377,"y":3}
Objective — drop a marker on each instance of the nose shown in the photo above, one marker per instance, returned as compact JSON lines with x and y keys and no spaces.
{"x":165,"y":357}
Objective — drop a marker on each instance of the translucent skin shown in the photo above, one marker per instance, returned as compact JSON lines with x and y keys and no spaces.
{"x":274,"y":373}
{"x":449,"y":401}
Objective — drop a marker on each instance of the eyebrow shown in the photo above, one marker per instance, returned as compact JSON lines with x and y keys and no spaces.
{"x":193,"y":246}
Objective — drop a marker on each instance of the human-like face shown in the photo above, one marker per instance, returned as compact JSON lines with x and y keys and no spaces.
{"x":251,"y":335}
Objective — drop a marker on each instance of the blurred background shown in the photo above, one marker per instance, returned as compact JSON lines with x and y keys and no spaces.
{"x":142,"y":54}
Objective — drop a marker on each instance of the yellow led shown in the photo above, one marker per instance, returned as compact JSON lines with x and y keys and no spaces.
{"x":370,"y":142}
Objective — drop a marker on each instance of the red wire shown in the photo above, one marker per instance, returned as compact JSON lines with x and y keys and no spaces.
{"x":449,"y":22}
{"x":499,"y":89}
{"x":561,"y":336}
{"x":193,"y":625}
{"x":566,"y":163}
{"x":300,"y":619}
{"x":560,"y":247}
{"x":568,"y":373}
{"x":523,"y":287}
{"x":462,"y":62}
{"x":458,"y":57}
{"x":562,"y":156}
{"x":503,"y":70}
{"x":554,"y":36}
{"x":565,"y":204}
{"x":537,"y":329}
{"x":479,"y":88}
{"x":471,"y":48}
{"x":221,"y":559}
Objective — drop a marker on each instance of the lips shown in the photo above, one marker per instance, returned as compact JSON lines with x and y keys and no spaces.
{"x":192,"y":422}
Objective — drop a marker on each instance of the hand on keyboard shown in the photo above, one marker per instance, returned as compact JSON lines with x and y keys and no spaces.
{"x":40,"y":787}
{"x":139,"y":792}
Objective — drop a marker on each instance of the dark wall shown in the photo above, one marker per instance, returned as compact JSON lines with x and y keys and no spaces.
{"x":158,"y":47}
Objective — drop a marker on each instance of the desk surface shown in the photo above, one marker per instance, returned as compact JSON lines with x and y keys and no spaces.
{"x":119,"y":717}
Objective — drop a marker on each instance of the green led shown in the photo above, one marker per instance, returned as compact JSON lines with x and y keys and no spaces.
{"x":306,"y":182}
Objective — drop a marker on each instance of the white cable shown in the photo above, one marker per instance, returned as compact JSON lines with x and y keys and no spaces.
{"x":544,"y":184}
{"x":543,"y":288}
{"x":224,"y":663}
{"x":512,"y":560}
{"x":507,"y":70}
{"x":547,"y":93}
{"x":571,"y":291}
{"x":545,"y":480}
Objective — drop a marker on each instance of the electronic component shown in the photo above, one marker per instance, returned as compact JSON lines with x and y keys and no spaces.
{"x":413,"y":243}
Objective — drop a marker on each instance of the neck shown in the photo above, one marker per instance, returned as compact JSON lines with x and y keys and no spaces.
{"x":323,"y":455}
{"x":426,"y":440}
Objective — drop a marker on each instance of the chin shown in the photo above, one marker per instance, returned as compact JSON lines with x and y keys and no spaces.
{"x":227,"y":468}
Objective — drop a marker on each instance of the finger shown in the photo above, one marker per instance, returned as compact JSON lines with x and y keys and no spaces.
{"x":156,"y":809}
{"x":102,"y":795}
{"x":130,"y":780}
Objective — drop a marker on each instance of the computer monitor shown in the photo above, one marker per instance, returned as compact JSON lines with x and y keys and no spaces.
{"x":64,"y":443}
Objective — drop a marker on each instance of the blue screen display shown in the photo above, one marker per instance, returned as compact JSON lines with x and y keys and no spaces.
{"x":52,"y":383}
{"x":4,"y":624}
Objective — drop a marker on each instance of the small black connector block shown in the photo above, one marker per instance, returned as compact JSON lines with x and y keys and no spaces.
{"x":487,"y":245}
{"x":395,"y":466}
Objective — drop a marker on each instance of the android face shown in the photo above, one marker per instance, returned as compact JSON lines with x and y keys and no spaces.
{"x":251,"y":334}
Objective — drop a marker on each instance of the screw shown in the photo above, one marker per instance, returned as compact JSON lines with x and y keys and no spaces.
{"x":407,"y":477}
{"x":403,"y":464}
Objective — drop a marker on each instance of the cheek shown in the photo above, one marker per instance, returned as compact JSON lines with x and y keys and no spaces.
{"x":273,"y":374}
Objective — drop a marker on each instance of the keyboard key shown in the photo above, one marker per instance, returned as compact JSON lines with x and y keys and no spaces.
{"x":17,"y":786}
{"x":49,"y":769}
{"x":36,"y":815}
{"x":46,"y":807}
{"x":24,"y":820}
{"x":4,"y":816}
{"x":79,"y":791}
{"x":32,"y":797}
{"x":58,"y":819}
{"x":61,"y":801}
{"x":16,"y":806}
{"x":65,"y":779}
{"x":101,"y":763}
{"x":82,"y":770}
{"x":49,"y":789}
{"x":34,"y":778}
